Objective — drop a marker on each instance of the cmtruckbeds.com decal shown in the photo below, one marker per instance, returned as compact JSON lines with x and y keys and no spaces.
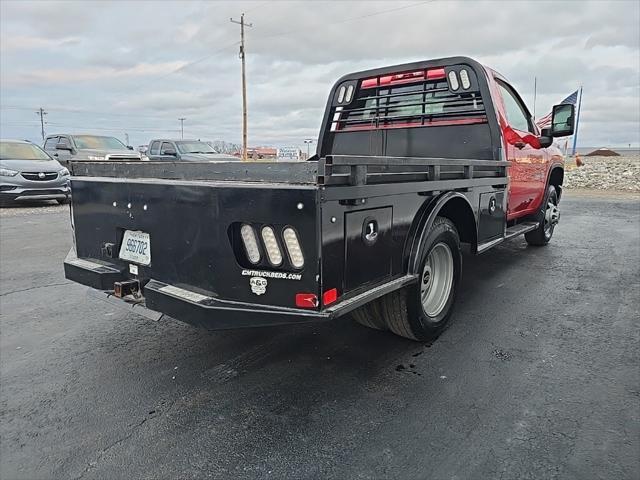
{"x":282,"y":275}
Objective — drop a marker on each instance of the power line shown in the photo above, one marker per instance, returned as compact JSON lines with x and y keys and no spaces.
{"x":185,"y":66}
{"x":82,"y":111}
{"x":215,"y":52}
{"x":347,"y":20}
{"x":260,"y":5}
{"x":116,"y":129}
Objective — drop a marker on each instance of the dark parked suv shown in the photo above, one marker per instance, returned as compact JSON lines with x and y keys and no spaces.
{"x":64,"y":148}
{"x":165,"y":150}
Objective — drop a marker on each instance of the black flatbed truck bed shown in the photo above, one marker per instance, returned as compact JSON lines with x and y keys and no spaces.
{"x":110,"y":198}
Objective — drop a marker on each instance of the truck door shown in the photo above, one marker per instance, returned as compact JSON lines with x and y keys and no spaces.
{"x":527,"y":171}
{"x":64,"y":155}
{"x":165,"y":148}
{"x":154,"y":150}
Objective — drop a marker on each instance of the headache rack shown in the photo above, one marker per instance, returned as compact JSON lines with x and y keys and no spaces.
{"x":428,"y":102}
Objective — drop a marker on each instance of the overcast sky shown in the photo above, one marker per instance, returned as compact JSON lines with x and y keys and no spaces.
{"x":136,"y":67}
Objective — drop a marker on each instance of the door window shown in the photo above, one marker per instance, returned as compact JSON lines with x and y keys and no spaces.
{"x":50,"y":144}
{"x":517,"y":115}
{"x":64,"y":141}
{"x":166,"y":146}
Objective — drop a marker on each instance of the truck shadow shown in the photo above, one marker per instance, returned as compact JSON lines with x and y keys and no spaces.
{"x":268,"y":387}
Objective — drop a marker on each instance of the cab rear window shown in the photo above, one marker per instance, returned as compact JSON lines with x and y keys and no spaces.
{"x":415,"y":100}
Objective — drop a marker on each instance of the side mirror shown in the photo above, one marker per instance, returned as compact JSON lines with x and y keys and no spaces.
{"x":129,"y":147}
{"x":546,"y":140}
{"x":562,"y":124}
{"x":169,"y":151}
{"x":63,"y":146}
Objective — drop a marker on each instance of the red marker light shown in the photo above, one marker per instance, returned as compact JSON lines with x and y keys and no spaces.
{"x":329,"y":297}
{"x":369,"y":83}
{"x":306,"y":300}
{"x":436,"y":74}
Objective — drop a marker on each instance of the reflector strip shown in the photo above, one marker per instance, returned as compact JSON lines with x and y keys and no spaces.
{"x":306,"y":300}
{"x":329,"y":297}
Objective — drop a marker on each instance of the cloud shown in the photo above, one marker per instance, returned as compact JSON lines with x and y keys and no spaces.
{"x":27,"y":42}
{"x":88,"y":74}
{"x":144,"y":64}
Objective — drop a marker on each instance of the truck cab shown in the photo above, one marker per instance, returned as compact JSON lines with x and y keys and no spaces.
{"x":168,"y":150}
{"x":413,"y":161}
{"x":66,"y":148}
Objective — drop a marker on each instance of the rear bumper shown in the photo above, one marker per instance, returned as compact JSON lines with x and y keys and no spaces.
{"x":209,"y":312}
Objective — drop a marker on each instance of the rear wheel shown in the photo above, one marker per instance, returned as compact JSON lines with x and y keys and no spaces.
{"x":422,"y":311}
{"x":548,"y":217}
{"x":369,"y":315}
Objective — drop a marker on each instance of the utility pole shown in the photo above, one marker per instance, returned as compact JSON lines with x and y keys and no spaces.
{"x":41,"y":113}
{"x":244,"y":85}
{"x":308,"y":141}
{"x":182,"y":119}
{"x":126,"y":138}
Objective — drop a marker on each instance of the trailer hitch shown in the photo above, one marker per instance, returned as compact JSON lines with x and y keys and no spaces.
{"x":125,"y":288}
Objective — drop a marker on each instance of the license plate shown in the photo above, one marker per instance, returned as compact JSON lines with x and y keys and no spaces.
{"x":136,"y":247}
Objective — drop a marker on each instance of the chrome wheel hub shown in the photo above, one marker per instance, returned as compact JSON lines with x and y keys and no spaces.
{"x":436,"y":280}
{"x":551,"y":217}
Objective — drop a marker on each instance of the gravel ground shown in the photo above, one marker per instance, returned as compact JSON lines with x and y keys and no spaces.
{"x":537,"y":378}
{"x":604,"y":173}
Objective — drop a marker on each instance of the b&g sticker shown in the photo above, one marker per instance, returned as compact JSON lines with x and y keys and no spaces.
{"x":258,"y":285}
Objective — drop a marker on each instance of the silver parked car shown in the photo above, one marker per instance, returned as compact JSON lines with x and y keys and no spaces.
{"x":28,"y":173}
{"x":65,"y":148}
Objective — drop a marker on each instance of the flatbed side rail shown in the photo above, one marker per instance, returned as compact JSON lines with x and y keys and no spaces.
{"x":354,"y":170}
{"x":218,"y":171}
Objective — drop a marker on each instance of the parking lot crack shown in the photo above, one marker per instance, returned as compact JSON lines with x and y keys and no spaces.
{"x":102,"y":452}
{"x":36,"y":287}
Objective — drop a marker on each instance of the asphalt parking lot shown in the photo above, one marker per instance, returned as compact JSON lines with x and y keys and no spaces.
{"x":537,"y":378}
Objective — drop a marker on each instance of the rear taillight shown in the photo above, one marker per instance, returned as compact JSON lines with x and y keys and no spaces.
{"x":250,"y":243}
{"x":464,"y":79}
{"x":293,"y":247}
{"x":271,"y":246}
{"x":453,"y":81}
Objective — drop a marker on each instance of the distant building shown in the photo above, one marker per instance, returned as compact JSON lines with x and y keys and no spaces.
{"x":262,"y":152}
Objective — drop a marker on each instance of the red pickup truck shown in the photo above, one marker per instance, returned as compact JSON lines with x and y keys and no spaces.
{"x":412,"y":161}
